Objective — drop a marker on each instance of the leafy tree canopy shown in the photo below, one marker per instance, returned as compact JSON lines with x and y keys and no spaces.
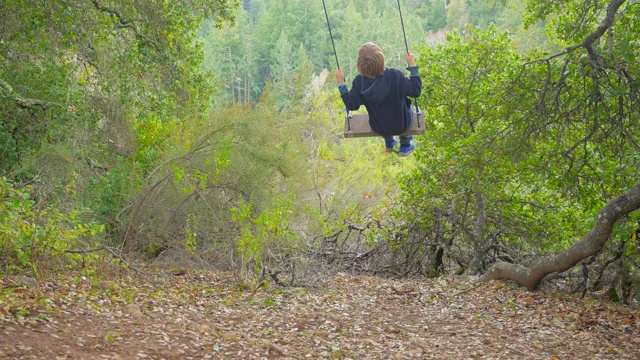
{"x":98,"y":62}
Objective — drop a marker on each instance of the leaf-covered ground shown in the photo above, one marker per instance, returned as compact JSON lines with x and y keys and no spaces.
{"x":202,"y":315}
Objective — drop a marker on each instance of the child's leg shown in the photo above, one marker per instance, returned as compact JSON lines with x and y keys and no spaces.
{"x":406,"y":146}
{"x":389,"y":143}
{"x":408,"y":102}
{"x":405,"y":140}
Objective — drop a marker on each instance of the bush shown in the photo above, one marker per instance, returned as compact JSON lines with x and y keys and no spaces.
{"x":35,"y":241}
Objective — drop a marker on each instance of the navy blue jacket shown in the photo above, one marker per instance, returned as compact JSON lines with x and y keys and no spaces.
{"x":385,"y":99}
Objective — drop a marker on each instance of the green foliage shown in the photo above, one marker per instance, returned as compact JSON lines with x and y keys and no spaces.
{"x":434,"y":14}
{"x":522,"y":155}
{"x":9,"y":152}
{"x":470,"y":178}
{"x":110,"y":106}
{"x":458,"y":15}
{"x":102,"y":89}
{"x":259,"y":233}
{"x":80,"y":72}
{"x":250,"y":57}
{"x":595,"y":151}
{"x":484,"y":13}
{"x":34,"y":241}
{"x":154,"y":137}
{"x":109,"y":193}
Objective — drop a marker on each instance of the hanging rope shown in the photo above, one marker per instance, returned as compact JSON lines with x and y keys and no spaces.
{"x":406,"y":46}
{"x":402,"y":23}
{"x":336,"y":55}
{"x":330,"y":34}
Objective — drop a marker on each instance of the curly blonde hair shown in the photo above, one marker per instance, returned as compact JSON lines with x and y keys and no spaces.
{"x":370,"y":60}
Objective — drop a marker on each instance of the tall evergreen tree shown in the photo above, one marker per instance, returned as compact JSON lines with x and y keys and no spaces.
{"x":458,"y":15}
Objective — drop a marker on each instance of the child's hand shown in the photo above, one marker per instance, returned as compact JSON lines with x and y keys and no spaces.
{"x":340,"y":76}
{"x":411,"y":59}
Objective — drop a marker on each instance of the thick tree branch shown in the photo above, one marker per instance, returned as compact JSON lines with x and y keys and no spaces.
{"x":588,"y":246}
{"x":25,"y":103}
{"x":124,"y":23}
{"x":587,"y":42}
{"x":605,"y":25}
{"x":111,"y":11}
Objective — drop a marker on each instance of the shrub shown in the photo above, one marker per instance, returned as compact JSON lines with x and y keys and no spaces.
{"x":35,"y":241}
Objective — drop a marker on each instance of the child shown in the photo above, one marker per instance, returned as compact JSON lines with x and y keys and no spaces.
{"x":383,"y":92}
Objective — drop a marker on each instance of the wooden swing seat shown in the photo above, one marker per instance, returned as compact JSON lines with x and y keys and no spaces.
{"x":358,"y":126}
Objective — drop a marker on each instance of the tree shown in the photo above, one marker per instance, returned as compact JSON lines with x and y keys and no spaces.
{"x":94,"y":93}
{"x":230,"y":58}
{"x":590,"y":245}
{"x":433,"y":14}
{"x":302,"y":21}
{"x":482,"y":13}
{"x":281,"y":70}
{"x":590,"y":95}
{"x":521,"y":154}
{"x":70,"y":62}
{"x":467,"y":192}
{"x":458,"y":15}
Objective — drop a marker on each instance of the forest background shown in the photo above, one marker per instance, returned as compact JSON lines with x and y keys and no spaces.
{"x":208,"y":133}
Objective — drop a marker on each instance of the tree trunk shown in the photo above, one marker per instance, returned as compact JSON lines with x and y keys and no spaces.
{"x":589,"y":245}
{"x":476,"y":265}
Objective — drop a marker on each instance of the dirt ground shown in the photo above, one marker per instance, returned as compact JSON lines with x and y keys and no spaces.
{"x":204,"y":315}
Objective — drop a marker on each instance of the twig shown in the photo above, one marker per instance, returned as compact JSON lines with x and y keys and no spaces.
{"x":94,"y":166}
{"x":469,"y":289}
{"x":25,"y":184}
{"x":405,"y":292}
{"x":84,"y":252}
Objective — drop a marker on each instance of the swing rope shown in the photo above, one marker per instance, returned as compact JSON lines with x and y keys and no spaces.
{"x":330,"y":34}
{"x":335,"y":53}
{"x":406,"y":46}
{"x":401,"y":23}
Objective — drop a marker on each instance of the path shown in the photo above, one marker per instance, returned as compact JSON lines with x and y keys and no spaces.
{"x":204,"y":316}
